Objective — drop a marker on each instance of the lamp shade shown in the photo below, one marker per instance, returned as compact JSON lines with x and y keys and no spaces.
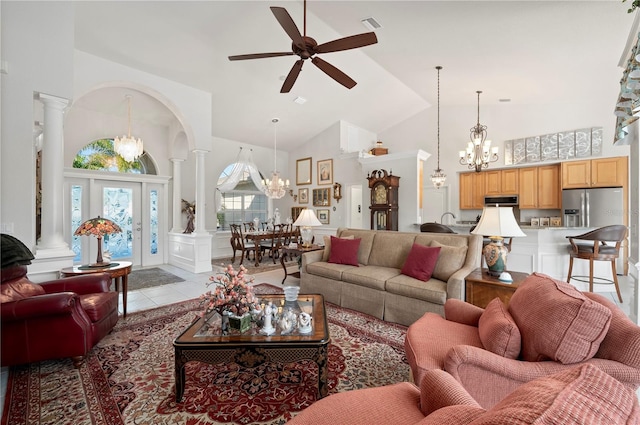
{"x":307,"y":218}
{"x":98,"y":227}
{"x":498,"y":221}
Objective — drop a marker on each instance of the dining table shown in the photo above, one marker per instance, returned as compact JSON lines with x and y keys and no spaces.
{"x":256,"y":236}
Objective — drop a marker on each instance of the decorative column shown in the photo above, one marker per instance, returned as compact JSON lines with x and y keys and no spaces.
{"x":52,"y":174}
{"x":177,"y":195}
{"x":200,"y":192}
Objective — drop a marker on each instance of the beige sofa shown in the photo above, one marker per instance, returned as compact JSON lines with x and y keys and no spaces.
{"x":377,"y":287}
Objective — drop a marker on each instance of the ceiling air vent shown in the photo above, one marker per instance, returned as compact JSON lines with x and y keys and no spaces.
{"x":371,"y":24}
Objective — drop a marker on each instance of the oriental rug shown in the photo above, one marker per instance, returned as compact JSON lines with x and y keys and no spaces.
{"x":266,"y":265}
{"x":128,"y":378}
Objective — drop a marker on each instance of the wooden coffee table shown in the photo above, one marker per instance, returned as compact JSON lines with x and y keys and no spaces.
{"x":118,"y":271}
{"x":482,"y":287}
{"x":207,"y":344}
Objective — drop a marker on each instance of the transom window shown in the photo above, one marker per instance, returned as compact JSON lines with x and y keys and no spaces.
{"x":100,"y":155}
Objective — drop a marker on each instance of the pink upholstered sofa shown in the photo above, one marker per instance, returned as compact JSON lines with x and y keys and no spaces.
{"x":580,"y":395}
{"x":548,"y":327}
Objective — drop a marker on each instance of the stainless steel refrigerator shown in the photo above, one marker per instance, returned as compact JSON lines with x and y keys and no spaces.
{"x":593,"y":208}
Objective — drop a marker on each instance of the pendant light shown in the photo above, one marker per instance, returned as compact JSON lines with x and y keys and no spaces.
{"x":128,"y":147}
{"x":438,"y":177}
{"x":275,"y":188}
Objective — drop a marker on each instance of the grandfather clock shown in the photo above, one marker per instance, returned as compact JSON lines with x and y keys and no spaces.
{"x":384,"y":200}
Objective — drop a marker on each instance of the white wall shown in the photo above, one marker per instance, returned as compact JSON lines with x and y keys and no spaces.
{"x":37,"y":45}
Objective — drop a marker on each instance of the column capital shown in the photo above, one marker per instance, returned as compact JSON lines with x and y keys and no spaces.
{"x":50,"y":100}
{"x":200,"y":152}
{"x":174,"y":160}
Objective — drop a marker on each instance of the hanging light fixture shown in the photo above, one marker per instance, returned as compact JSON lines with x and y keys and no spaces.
{"x":275,"y":188}
{"x":479,"y":152}
{"x":438,"y":177}
{"x":128,"y":147}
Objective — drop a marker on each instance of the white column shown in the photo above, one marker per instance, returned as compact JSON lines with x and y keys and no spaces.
{"x":51,"y":236}
{"x":177,"y":195}
{"x":200,"y":192}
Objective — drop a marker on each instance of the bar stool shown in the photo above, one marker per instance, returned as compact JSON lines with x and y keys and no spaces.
{"x":597,"y":250}
{"x":435,"y":228}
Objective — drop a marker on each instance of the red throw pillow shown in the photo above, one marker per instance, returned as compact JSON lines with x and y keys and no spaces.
{"x":344,"y":251}
{"x":421,"y":261}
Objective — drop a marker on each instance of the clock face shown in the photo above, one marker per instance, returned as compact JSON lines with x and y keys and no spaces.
{"x":380,"y":194}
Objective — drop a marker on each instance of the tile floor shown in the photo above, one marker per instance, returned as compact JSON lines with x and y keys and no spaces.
{"x":195,"y":284}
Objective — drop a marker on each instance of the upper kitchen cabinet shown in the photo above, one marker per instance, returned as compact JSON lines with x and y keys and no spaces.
{"x":472,"y":191}
{"x":602,"y":172}
{"x":501,"y":182}
{"x":539,"y":187}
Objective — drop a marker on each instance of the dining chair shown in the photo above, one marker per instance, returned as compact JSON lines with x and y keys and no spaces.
{"x":274,"y":243}
{"x":239,"y":243}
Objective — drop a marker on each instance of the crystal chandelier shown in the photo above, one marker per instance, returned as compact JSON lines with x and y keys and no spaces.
{"x":275,"y":188}
{"x":128,"y":147}
{"x":479,"y":152}
{"x":438,"y":177}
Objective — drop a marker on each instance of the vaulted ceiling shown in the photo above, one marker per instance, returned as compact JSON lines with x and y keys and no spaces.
{"x":531,"y":52}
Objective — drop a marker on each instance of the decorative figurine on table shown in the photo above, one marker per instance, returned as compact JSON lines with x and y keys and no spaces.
{"x":276,"y":217}
{"x":287,"y":322}
{"x":304,"y":326}
{"x":269,"y":311}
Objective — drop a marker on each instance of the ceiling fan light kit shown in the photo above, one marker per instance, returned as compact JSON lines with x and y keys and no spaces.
{"x":307,"y":48}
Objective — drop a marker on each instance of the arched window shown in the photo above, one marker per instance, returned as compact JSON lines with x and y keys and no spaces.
{"x":243,"y":203}
{"x":100,"y":155}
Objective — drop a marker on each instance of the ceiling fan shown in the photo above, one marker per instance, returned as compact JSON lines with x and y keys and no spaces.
{"x":307,"y":48}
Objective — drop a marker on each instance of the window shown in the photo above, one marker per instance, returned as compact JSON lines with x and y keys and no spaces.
{"x":241,"y":204}
{"x":99,"y":155}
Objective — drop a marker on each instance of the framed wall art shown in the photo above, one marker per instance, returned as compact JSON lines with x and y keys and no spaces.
{"x":322,"y":197}
{"x":325,"y":171}
{"x":303,"y":171}
{"x":303,"y":196}
{"x":323,"y":216}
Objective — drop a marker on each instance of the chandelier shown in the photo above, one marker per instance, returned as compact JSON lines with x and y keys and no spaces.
{"x":479,"y":152}
{"x":438,"y":177}
{"x":275,"y":188}
{"x":128,"y":147}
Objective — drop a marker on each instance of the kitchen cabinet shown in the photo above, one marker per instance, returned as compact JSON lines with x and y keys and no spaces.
{"x":472,"y":191}
{"x":509,"y":181}
{"x":602,"y":172}
{"x":549,"y":194}
{"x":528,"y":187}
{"x":493,"y":182}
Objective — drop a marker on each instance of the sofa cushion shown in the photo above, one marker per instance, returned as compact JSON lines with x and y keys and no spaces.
{"x":450,"y":260}
{"x":557,"y":321}
{"x":498,"y":331}
{"x":327,"y":246}
{"x":580,"y":395}
{"x":433,"y":290}
{"x":344,"y":251}
{"x":420,"y":262}
{"x":390,"y":249}
{"x":19,"y":289}
{"x":328,"y":270}
{"x":366,"y":241}
{"x":374,"y":277}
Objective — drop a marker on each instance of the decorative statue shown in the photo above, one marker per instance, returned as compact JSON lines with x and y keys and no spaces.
{"x":287,"y":322}
{"x":190,"y":209}
{"x":276,"y":217}
{"x":305,"y":323}
{"x":269,"y":311}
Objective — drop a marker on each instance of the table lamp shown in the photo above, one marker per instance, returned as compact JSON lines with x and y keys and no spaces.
{"x":306,"y":220}
{"x":497,"y":223}
{"x":98,"y":227}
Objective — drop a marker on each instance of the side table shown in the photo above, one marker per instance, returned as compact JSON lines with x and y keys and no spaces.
{"x":288,"y":251}
{"x":481,"y":287}
{"x":118,"y":271}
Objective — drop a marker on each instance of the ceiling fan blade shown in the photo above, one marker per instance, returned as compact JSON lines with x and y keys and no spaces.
{"x":287,"y":24}
{"x":334,"y":72}
{"x":292,"y":77}
{"x":346,"y":43}
{"x":259,"y":56}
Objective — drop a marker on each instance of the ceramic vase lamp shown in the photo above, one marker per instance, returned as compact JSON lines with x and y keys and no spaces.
{"x":497,"y":223}
{"x":306,"y":220}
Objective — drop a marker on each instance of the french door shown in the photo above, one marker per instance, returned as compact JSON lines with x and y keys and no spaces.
{"x":138,"y":207}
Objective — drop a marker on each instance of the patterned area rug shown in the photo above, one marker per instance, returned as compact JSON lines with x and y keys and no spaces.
{"x":147,"y":278}
{"x":128,"y":378}
{"x":266,"y":265}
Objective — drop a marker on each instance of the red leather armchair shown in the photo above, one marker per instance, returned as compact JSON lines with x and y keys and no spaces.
{"x":56,"y":319}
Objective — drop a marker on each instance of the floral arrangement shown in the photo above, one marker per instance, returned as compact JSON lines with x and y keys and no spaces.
{"x":232,"y":293}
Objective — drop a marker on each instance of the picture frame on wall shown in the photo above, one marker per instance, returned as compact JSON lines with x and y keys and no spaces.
{"x":323,"y":216}
{"x":303,"y":171}
{"x":322,"y":197}
{"x":303,"y":196}
{"x":325,"y":172}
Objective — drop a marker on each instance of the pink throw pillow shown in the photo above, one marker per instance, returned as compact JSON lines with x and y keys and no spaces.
{"x":344,"y":251}
{"x":557,"y":321}
{"x":420,"y":262}
{"x":498,"y":332}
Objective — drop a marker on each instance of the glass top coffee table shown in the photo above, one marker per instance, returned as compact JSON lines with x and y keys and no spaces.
{"x":204,"y":341}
